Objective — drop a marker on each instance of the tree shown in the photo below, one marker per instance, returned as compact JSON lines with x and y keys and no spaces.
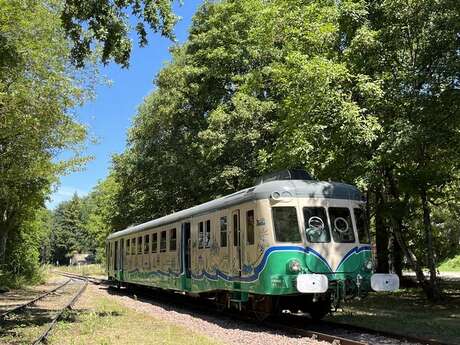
{"x":411,"y":52}
{"x":107,"y":22}
{"x":101,"y":204}
{"x":37,"y":89}
{"x":70,"y":233}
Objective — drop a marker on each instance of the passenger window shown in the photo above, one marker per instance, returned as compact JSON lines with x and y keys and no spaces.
{"x":361,"y":225}
{"x":139,"y":245}
{"x":172,"y":240}
{"x":250,"y":227}
{"x":154,"y":242}
{"x":128,"y":248}
{"x":342,"y":229}
{"x":223,"y":231}
{"x":146,"y":244}
{"x":200,"y":235}
{"x":163,"y":242}
{"x":207,"y":236}
{"x":286,"y":224}
{"x":316,"y":225}
{"x":133,"y":247}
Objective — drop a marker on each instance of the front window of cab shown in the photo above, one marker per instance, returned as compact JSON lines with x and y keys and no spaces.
{"x":361,"y":225}
{"x":316,"y":225}
{"x":286,"y":224}
{"x":342,"y":227}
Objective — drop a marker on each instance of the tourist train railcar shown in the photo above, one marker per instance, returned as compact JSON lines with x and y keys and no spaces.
{"x":289,"y":242}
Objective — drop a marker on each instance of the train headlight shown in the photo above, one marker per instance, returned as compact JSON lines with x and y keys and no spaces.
{"x":369,"y":265}
{"x":295,"y":266}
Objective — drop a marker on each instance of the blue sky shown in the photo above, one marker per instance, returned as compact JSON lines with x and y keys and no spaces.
{"x":109,"y":116}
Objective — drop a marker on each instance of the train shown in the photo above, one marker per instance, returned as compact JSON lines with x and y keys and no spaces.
{"x":289,"y":242}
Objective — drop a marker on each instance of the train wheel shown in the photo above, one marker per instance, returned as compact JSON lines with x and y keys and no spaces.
{"x":320,"y":309}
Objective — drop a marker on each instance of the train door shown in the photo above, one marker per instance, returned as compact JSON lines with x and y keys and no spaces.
{"x":115,"y":258}
{"x":236,"y":243}
{"x":122,"y":259}
{"x":185,"y":256}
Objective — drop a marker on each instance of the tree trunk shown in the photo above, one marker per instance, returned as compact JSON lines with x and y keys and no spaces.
{"x":381,"y":236}
{"x":430,"y":288}
{"x":3,"y":240}
{"x":435,"y":289}
{"x":395,"y":256}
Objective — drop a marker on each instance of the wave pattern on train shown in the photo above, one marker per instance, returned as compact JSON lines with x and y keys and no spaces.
{"x":288,"y":243}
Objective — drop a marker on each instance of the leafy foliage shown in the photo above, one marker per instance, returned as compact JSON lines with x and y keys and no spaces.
{"x":37,"y":88}
{"x":107,"y":22}
{"x":360,"y":91}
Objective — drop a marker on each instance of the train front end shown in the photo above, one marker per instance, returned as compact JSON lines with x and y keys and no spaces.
{"x":335,"y":263}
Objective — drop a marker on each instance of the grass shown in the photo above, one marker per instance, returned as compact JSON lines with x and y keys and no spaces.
{"x":86,"y":270}
{"x":451,"y":265}
{"x":108,"y":322}
{"x":408,"y":312}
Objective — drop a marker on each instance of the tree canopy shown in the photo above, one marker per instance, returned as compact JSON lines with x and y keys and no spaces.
{"x":38,"y":87}
{"x":358,"y":91}
{"x":89,"y":23}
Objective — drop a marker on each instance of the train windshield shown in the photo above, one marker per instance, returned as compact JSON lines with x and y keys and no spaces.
{"x":316,"y":225}
{"x":342,"y":228}
{"x":286,"y":225}
{"x":361,"y":225}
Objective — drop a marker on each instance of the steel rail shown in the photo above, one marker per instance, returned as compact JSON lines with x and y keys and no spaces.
{"x":314,"y":335}
{"x":13,"y":310}
{"x":397,"y":336}
{"x":55,"y":319}
{"x":93,"y":280}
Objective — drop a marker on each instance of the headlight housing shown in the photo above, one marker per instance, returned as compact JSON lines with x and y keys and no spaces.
{"x":369,"y":265}
{"x":295,"y":266}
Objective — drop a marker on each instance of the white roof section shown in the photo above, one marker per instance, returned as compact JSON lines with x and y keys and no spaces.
{"x":296,"y":188}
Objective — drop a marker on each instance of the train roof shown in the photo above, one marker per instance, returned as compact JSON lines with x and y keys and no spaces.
{"x":271,"y":189}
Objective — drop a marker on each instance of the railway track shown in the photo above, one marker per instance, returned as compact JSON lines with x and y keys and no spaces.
{"x":33,"y":301}
{"x":332,"y":332}
{"x":59,"y":312}
{"x":42,"y":338}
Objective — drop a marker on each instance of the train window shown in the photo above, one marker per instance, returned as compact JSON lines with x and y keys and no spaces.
{"x":250,"y":227}
{"x":223,"y":231}
{"x":207,"y":234}
{"x":139,"y":245}
{"x":128,"y":248}
{"x":172,"y":240}
{"x":146,"y":244}
{"x":316,"y":225}
{"x":163,"y":242}
{"x":200,"y":235}
{"x":342,"y":229}
{"x":154,"y":242}
{"x":361,"y":225}
{"x":133,"y":246}
{"x":286,"y":224}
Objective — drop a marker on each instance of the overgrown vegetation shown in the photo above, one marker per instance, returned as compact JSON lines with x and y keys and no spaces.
{"x":451,"y":265}
{"x":37,"y":88}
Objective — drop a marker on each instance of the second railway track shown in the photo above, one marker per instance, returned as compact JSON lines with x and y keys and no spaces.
{"x":54,"y":304}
